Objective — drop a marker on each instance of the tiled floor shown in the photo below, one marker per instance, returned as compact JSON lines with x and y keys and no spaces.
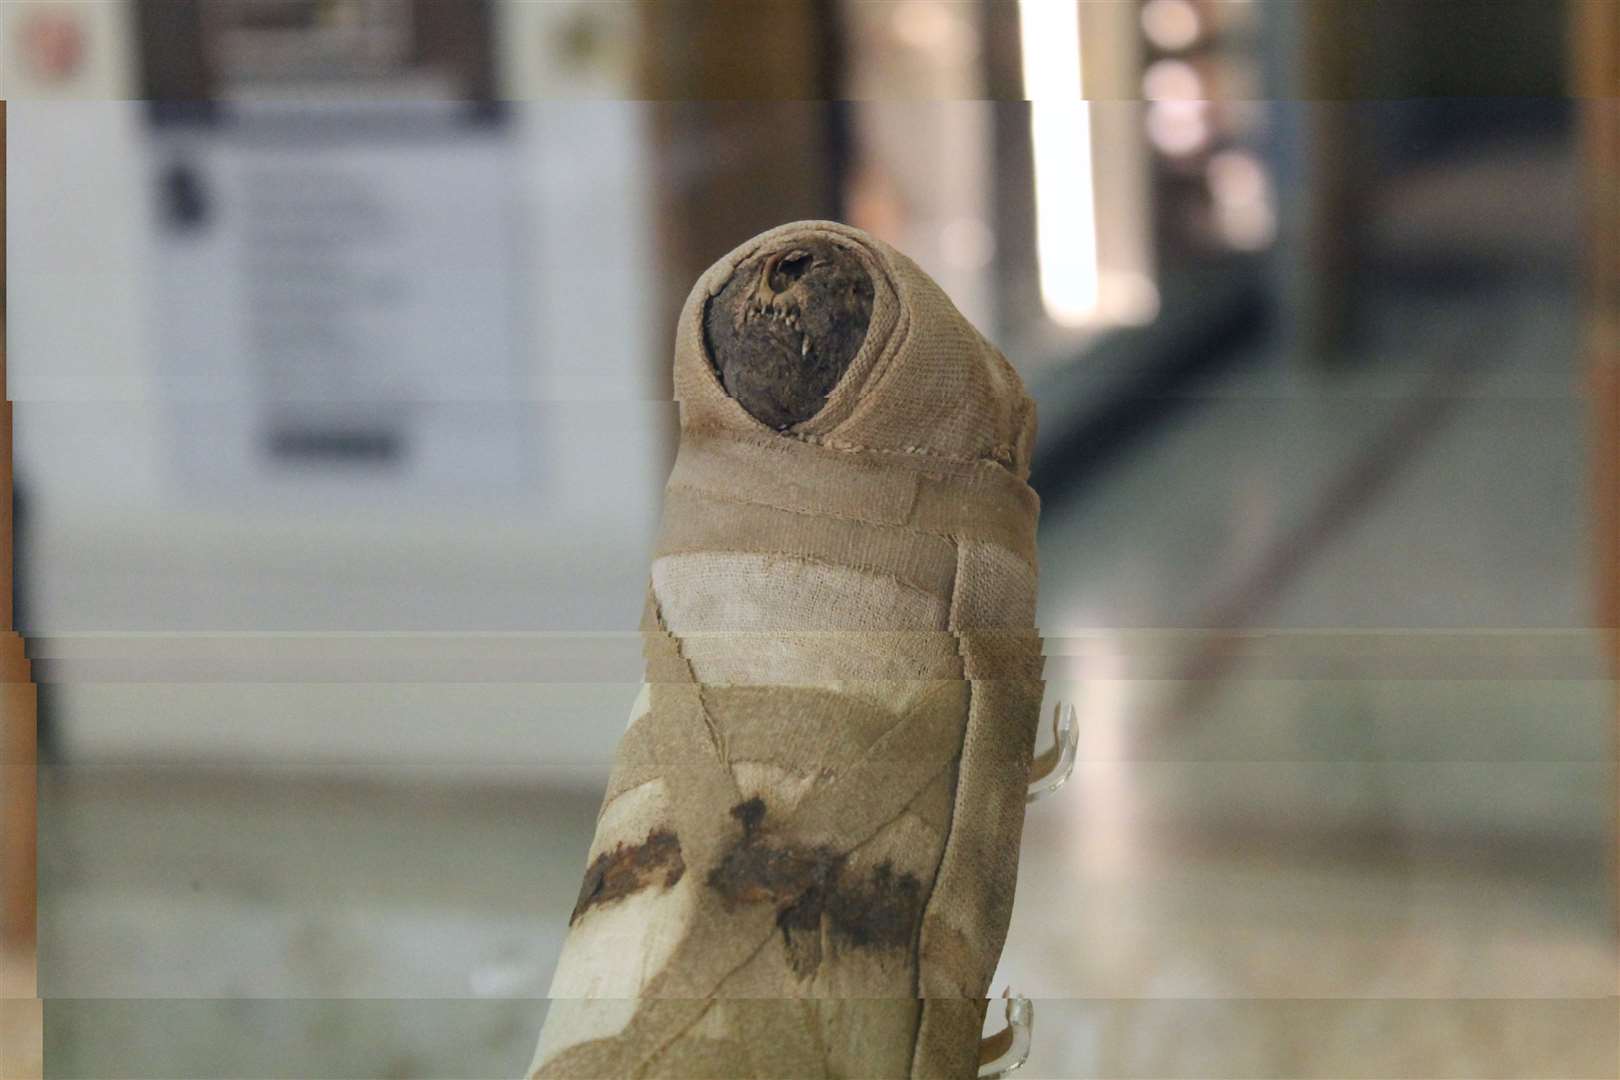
{"x":1374,"y":841}
{"x":1343,"y":809}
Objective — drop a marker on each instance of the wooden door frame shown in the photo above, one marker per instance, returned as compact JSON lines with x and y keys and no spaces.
{"x":18,"y":761}
{"x":21,"y":1012}
{"x":1595,"y":48}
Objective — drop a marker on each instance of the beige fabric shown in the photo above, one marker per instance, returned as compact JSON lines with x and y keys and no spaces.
{"x":805,"y":860}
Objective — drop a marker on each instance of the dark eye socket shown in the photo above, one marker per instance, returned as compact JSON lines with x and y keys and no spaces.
{"x":793,"y":266}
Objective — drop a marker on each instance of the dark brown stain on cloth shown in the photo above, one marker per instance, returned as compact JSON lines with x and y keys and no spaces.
{"x":813,"y":888}
{"x":629,"y":868}
{"x":750,"y":812}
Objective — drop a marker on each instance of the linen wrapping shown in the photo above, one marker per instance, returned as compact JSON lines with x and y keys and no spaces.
{"x":805,"y":860}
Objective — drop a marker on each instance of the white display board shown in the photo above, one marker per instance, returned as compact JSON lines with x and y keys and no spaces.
{"x":335,"y":302}
{"x":501,"y":295}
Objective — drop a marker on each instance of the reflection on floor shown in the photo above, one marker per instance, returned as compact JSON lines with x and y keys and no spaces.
{"x":1344,"y":804}
{"x":348,"y":930}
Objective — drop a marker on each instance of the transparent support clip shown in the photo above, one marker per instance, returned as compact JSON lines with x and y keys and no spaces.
{"x":1054,"y":765}
{"x":1006,"y":1051}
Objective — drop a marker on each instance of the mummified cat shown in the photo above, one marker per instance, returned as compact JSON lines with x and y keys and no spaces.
{"x":804,"y":864}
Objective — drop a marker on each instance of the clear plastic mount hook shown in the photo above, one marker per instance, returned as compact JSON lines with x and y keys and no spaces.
{"x":1006,"y":1051}
{"x":1054,"y":765}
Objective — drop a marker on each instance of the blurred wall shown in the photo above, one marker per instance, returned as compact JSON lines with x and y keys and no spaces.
{"x":155,"y":513}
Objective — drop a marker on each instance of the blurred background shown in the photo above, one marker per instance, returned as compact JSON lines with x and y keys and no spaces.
{"x":338,"y":336}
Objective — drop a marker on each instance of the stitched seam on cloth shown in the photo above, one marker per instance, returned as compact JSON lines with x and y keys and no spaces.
{"x":716,"y":737}
{"x":770,"y":936}
{"x":675,"y":1036}
{"x":908,"y":812}
{"x":917,"y":718}
{"x":845,"y":446}
{"x":739,"y":500}
{"x":781,"y":553}
{"x":811,"y":560}
{"x":863,"y":757}
{"x":829,"y":442}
